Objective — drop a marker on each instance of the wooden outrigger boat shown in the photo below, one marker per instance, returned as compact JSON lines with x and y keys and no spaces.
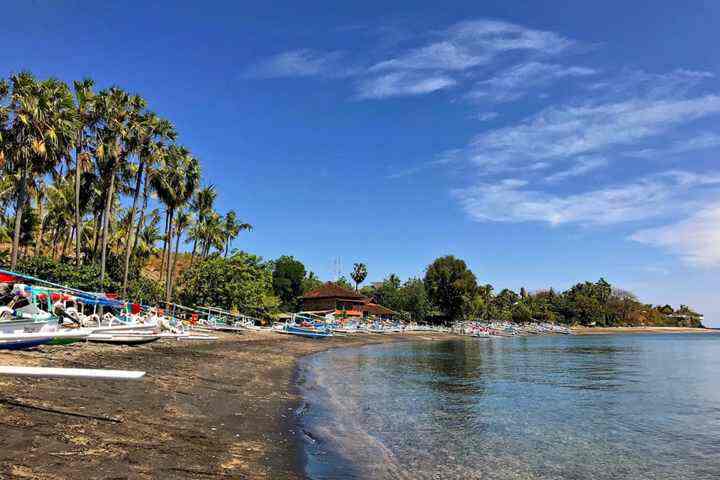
{"x":125,"y":338}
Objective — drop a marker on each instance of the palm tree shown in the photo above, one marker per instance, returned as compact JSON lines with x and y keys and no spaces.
{"x":153,"y":132}
{"x":41,"y":134}
{"x":4,"y":117}
{"x":202,"y":205}
{"x":232,"y":228}
{"x":83,"y":108}
{"x":359,"y":274}
{"x":175,"y":183}
{"x":182,"y":222}
{"x":117,"y":139}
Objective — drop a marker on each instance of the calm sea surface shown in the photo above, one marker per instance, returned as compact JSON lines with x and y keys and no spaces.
{"x":602,"y":407}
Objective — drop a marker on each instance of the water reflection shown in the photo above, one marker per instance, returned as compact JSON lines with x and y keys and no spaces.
{"x":625,"y":407}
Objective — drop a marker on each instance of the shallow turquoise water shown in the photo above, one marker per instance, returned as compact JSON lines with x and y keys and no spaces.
{"x":603,"y":407}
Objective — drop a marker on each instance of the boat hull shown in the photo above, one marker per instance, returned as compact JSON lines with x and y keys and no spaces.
{"x":23,"y":344}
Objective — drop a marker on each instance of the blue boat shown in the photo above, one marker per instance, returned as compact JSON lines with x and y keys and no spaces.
{"x":24,"y":344}
{"x":309,"y":332}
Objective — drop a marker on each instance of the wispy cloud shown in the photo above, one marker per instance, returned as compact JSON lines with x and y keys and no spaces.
{"x":397,"y":84}
{"x":445,"y":158}
{"x":511,"y":200}
{"x":564,"y":132}
{"x":473,"y":43}
{"x":518,"y":80}
{"x":300,"y":63}
{"x":487,"y":116}
{"x":582,"y":166}
{"x":696,"y":240}
{"x":702,"y":141}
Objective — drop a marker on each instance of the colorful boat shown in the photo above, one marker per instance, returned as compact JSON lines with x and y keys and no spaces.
{"x":306,"y":331}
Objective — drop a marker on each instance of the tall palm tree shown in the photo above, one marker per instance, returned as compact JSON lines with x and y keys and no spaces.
{"x":175,"y":184}
{"x":202,"y":205}
{"x":4,"y":117}
{"x":153,"y":132}
{"x":117,"y":139}
{"x":233,"y":228}
{"x":41,"y":134}
{"x":183,"y":221}
{"x":84,"y":97}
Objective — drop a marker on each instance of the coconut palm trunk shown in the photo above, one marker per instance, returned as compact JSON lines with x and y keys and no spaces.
{"x":106,"y":221}
{"x":169,"y":256}
{"x":129,"y":242}
{"x":78,"y":226}
{"x":19,"y":207}
{"x":141,"y":222}
{"x":165,"y":244}
{"x":174,"y":263}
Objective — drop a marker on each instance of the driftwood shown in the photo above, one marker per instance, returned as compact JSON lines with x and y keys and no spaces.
{"x":16,"y":403}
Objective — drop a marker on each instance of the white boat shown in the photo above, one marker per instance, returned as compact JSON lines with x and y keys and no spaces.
{"x":122,"y":338}
{"x":86,"y":373}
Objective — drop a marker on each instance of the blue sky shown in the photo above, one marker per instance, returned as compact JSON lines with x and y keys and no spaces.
{"x":543,"y":142}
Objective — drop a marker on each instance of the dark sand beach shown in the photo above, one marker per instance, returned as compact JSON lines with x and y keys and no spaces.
{"x":222,"y":409}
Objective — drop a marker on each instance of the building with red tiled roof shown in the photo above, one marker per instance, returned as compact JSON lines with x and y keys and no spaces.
{"x":331,"y":297}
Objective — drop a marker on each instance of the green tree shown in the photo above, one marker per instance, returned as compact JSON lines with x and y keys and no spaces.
{"x":240,"y":282}
{"x":175,"y":184}
{"x":232,"y":228}
{"x":343,"y":282}
{"x":450,"y":285}
{"x":288,"y":278}
{"x":310,"y":282}
{"x":40,"y":136}
{"x":359,"y":274}
{"x":414,"y":299}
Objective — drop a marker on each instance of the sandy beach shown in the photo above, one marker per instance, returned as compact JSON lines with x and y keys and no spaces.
{"x":223,"y":409}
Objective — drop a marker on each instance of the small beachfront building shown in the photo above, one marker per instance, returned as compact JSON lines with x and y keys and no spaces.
{"x":332,"y":298}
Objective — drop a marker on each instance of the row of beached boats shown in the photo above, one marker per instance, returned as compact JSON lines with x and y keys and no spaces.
{"x":507,"y":329}
{"x":314,"y":326}
{"x":34,"y":315}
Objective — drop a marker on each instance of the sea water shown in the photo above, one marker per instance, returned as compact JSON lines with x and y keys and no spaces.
{"x":551,"y":407}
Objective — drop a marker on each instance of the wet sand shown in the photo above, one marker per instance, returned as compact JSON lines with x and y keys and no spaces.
{"x":221,"y":409}
{"x":612,"y":330}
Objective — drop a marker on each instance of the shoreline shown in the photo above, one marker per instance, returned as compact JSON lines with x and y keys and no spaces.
{"x":648,"y":330}
{"x":223,"y":409}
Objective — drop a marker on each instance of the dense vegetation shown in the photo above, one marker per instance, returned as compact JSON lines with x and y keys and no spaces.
{"x":88,"y":181}
{"x":92,"y":182}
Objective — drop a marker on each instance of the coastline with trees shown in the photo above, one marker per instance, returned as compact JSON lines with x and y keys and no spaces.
{"x":98,"y":194}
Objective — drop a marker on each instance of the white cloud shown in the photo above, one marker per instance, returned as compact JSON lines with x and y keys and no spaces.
{"x":696,"y":240}
{"x":299,"y":63}
{"x":641,"y":84}
{"x":510,"y":201}
{"x":582,"y":166}
{"x":396,"y":84}
{"x":472,"y":43}
{"x":702,"y":141}
{"x":487,"y":116}
{"x":516,"y":81}
{"x":560,"y":133}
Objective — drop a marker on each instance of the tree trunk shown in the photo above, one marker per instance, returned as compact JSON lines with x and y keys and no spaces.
{"x":141,"y":222}
{"x":106,"y":221}
{"x":174,"y":263}
{"x":129,"y":242}
{"x":19,"y":207}
{"x":78,"y":227}
{"x":192,"y":256}
{"x":227,"y":245}
{"x":168,"y":280}
{"x":39,"y":239}
{"x":165,"y":244}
